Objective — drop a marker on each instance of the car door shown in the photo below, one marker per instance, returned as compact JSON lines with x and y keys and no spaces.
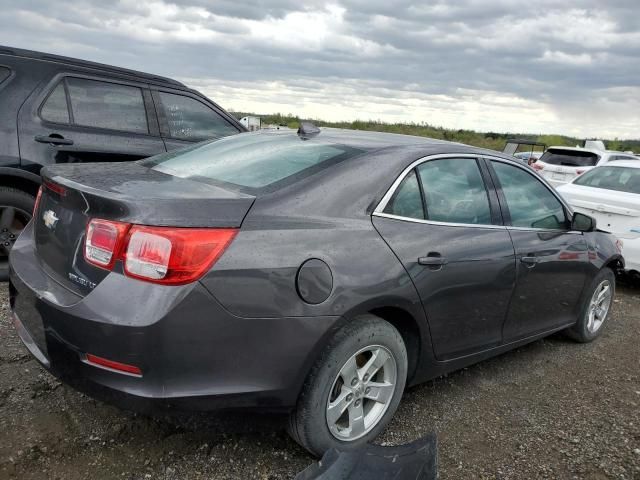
{"x":442,"y":220}
{"x":79,"y":118}
{"x":186,"y":118}
{"x":551,"y":259}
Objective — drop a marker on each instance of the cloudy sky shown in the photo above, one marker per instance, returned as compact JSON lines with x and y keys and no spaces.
{"x":570,"y":67}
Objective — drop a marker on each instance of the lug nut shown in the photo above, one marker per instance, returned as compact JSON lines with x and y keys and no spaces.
{"x":6,"y":244}
{"x":367,"y":390}
{"x":357,"y":404}
{"x":366,"y":377}
{"x":349,"y":397}
{"x":354,"y":382}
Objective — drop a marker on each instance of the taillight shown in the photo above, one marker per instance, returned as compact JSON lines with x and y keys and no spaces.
{"x":37,"y":202}
{"x":537,"y":166}
{"x":103,"y":242}
{"x":173,"y":256}
{"x":166,"y":255}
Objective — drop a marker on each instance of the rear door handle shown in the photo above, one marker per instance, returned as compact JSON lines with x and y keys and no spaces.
{"x":529,"y":261}
{"x":53,"y":140}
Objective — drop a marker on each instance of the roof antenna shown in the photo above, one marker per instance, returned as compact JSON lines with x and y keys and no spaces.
{"x":307,"y":130}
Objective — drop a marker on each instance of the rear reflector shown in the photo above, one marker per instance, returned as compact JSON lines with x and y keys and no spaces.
{"x":112,"y":365}
{"x":103,"y":241}
{"x":54,"y":187}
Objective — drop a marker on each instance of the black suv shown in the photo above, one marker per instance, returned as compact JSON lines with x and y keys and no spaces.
{"x":56,"y":109}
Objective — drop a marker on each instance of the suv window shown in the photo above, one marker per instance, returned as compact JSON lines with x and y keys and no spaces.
{"x":190,"y":119}
{"x":55,"y":106}
{"x":107,"y":105}
{"x":4,"y":73}
{"x":569,"y":158}
{"x":407,"y":200}
{"x":530,"y":203}
{"x":454,"y":191}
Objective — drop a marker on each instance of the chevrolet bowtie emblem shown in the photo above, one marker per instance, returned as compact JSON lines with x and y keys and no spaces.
{"x":49,"y":218}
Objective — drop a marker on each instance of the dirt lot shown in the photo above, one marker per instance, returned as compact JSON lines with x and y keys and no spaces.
{"x":553,"y":409}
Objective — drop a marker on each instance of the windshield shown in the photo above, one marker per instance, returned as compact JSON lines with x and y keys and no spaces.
{"x":570,"y":158}
{"x":252,"y":161}
{"x":622,"y":179}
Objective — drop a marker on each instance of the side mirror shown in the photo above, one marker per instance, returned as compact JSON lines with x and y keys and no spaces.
{"x":583,"y":223}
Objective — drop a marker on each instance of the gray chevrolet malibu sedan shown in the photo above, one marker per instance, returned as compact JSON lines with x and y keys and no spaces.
{"x":315,"y":273}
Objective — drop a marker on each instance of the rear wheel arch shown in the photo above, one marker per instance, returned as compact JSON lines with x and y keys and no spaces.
{"x":615,"y":263}
{"x":27,"y":182}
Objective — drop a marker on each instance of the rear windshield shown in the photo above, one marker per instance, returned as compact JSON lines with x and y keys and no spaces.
{"x":622,"y":179}
{"x":569,"y":158}
{"x":252,"y":161}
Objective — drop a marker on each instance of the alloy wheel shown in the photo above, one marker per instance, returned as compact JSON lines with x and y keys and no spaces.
{"x":361,"y":393}
{"x":599,"y":306}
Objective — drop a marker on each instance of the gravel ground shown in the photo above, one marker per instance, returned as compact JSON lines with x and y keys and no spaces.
{"x":553,"y":409}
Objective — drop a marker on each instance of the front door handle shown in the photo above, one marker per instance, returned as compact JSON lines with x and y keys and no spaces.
{"x":433,"y":259}
{"x":529,"y":261}
{"x":53,"y":139}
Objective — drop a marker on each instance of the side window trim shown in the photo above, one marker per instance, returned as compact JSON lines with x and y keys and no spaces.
{"x":503,"y":201}
{"x":379,"y":210}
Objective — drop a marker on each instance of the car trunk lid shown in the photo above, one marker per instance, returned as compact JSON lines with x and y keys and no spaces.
{"x":127,"y":192}
{"x":615,"y":212}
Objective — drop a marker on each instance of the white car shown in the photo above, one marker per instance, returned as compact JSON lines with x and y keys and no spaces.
{"x":560,"y":165}
{"x":611,"y":195}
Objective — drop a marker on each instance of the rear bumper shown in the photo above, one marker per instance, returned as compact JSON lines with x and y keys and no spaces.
{"x":194,"y":355}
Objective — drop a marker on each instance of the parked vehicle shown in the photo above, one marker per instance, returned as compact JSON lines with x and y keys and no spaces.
{"x":527,"y":151}
{"x":62,"y":110}
{"x":611,"y":195}
{"x":560,"y":165}
{"x":316,"y":274}
{"x":528,"y":158}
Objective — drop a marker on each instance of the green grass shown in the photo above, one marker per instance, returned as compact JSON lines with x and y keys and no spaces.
{"x":492,"y":140}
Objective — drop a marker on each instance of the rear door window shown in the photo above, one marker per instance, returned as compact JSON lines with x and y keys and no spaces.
{"x":454,"y":191}
{"x":570,"y":158}
{"x":191,"y":120}
{"x":530,"y":203}
{"x":55,"y":108}
{"x":107,"y":105}
{"x":407,"y":199}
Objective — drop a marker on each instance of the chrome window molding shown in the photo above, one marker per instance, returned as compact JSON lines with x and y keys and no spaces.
{"x":379,"y":210}
{"x":444,"y":224}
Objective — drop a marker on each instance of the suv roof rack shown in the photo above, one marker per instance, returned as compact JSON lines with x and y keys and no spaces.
{"x":48,"y":57}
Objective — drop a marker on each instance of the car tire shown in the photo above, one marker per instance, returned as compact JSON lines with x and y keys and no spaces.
{"x":596,"y":307}
{"x":22,"y":203}
{"x":366,"y":343}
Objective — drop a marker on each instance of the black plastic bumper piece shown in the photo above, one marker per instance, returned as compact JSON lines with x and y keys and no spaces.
{"x":417,"y":460}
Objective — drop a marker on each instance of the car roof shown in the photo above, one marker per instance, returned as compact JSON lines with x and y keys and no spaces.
{"x":48,"y":57}
{"x":368,"y":140}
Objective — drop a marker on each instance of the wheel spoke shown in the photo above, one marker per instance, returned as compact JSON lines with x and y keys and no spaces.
{"x":378,"y":358}
{"x":356,"y":419}
{"x":349,"y":371}
{"x":379,"y":392}
{"x":7,"y":216}
{"x":603,"y":295}
{"x":337,"y":408}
